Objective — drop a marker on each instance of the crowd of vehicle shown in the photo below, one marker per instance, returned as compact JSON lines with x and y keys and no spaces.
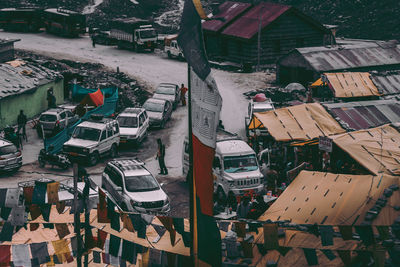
{"x":126,"y":33}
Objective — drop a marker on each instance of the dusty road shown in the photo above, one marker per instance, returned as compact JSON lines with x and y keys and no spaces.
{"x":149,"y":69}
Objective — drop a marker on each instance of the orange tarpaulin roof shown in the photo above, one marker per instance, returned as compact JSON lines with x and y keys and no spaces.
{"x":376,"y":149}
{"x":334,"y":199}
{"x":351,"y":84}
{"x":317,"y":83}
{"x":301,"y":122}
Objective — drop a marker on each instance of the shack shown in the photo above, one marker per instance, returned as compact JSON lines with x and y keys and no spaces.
{"x":7,"y":49}
{"x":251,"y":34}
{"x":305,"y":65}
{"x":24,"y":86}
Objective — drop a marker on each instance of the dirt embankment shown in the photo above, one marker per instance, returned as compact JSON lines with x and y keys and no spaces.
{"x":92,"y":75}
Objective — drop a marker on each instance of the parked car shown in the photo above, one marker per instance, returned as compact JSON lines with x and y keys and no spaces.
{"x":261,"y":106}
{"x":133,"y":187}
{"x":94,"y":138}
{"x":10,"y":156}
{"x":134,"y":124}
{"x":54,"y":120}
{"x":168,"y":91}
{"x":159,"y":111}
{"x":172,"y":49}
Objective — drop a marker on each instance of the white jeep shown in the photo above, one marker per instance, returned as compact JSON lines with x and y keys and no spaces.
{"x":94,"y":138}
{"x":134,"y":125}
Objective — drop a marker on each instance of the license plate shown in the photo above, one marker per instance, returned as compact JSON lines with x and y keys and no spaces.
{"x":122,"y":141}
{"x":73,"y":154}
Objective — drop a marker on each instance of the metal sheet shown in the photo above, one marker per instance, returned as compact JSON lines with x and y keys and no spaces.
{"x":247,"y":25}
{"x":228,"y":11}
{"x":388,"y":83}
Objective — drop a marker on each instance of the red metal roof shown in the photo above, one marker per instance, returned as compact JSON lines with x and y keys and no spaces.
{"x":247,"y":25}
{"x":228,"y":11}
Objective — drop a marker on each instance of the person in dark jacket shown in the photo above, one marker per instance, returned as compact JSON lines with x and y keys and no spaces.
{"x":21,"y":120}
{"x":160,"y":157}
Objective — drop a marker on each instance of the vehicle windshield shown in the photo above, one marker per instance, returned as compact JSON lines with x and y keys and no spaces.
{"x":240,"y":163}
{"x":148,"y":34}
{"x":165,"y":90}
{"x":48,"y":117}
{"x":10,"y":149}
{"x":86,"y":133}
{"x":154,"y":107}
{"x":141,"y":183}
{"x":128,"y":122}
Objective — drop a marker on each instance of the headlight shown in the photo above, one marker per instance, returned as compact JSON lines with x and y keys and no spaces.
{"x":166,"y":201}
{"x":231,"y":183}
{"x":132,"y":136}
{"x":135,"y":203}
{"x":85,"y":150}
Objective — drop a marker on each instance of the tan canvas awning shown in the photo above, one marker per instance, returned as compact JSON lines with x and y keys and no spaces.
{"x":334,"y":199}
{"x":376,"y":149}
{"x":296,"y":123}
{"x":351,"y":84}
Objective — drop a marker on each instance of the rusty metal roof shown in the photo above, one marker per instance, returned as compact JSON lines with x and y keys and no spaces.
{"x":365,"y":114}
{"x":368,"y":54}
{"x":387,"y":83}
{"x":247,"y":25}
{"x":228,"y":11}
{"x":22,"y":77}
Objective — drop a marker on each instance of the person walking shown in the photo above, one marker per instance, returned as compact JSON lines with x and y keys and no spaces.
{"x":243,"y":208}
{"x":183,"y":90}
{"x":160,"y":157}
{"x":21,"y":120}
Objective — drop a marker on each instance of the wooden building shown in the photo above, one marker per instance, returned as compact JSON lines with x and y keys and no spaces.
{"x":248,"y":34}
{"x":305,"y":65}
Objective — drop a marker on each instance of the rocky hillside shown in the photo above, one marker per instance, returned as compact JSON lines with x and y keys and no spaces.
{"x":368,"y":19}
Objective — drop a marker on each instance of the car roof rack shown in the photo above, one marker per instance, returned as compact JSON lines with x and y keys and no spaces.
{"x":128,"y":164}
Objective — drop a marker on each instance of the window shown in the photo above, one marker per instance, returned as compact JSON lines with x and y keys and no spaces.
{"x":69,"y":114}
{"x":145,"y":115}
{"x":141,"y":119}
{"x":216,"y":163}
{"x":109,"y":131}
{"x":116,"y":128}
{"x":103,"y":135}
{"x":116,"y":177}
{"x":277,"y":46}
{"x":63,"y":115}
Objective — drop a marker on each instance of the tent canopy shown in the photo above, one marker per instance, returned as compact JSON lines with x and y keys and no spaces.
{"x":94,"y":99}
{"x":350,"y":84}
{"x":334,"y":199}
{"x":375,"y":149}
{"x":297,"y":123}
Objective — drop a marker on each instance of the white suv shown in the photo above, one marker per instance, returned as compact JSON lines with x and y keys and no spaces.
{"x":94,"y":138}
{"x":133,"y":187}
{"x":134,"y":124}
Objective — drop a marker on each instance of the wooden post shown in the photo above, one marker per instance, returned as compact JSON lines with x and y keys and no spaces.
{"x":77,"y":217}
{"x":87,"y":218}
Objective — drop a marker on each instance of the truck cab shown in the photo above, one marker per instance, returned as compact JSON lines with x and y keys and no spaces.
{"x":145,"y":37}
{"x":235,"y":166}
{"x":173,"y":50}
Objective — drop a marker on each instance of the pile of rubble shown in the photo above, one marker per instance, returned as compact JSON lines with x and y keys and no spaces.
{"x":92,"y":75}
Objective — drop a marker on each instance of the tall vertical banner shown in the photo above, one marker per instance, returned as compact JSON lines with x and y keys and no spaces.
{"x":206,"y":104}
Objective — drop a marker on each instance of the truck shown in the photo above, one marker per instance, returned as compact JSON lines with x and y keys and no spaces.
{"x":172,"y":48}
{"x":133,"y":33}
{"x":24,"y":19}
{"x":235,"y":166}
{"x":64,"y":22}
{"x":257,"y":106}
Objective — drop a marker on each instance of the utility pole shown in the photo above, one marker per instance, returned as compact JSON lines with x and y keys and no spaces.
{"x":77,"y":217}
{"x":86,"y":191}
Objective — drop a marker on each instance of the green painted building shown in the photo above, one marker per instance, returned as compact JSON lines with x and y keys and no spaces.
{"x":25,"y":86}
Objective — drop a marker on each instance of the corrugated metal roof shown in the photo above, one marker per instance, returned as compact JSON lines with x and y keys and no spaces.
{"x":247,"y":25}
{"x":388,"y":83}
{"x":7,"y":41}
{"x":228,"y":11}
{"x":351,"y":84}
{"x":368,"y":54}
{"x":23,"y":77}
{"x":365,"y":114}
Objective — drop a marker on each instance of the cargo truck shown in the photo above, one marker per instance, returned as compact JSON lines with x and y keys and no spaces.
{"x":133,"y":33}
